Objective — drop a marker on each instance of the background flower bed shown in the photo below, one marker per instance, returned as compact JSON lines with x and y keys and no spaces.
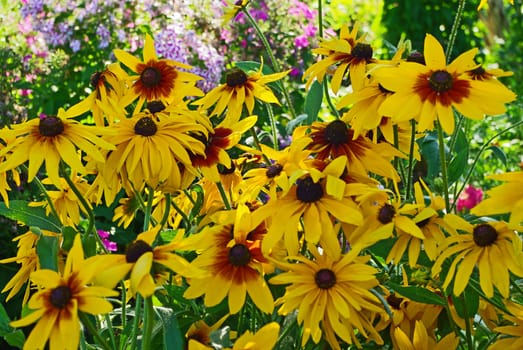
{"x":55,"y":72}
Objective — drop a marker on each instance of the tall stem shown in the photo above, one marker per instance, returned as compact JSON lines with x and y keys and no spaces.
{"x":148,"y":208}
{"x":223,"y":195}
{"x":42,"y":189}
{"x":411,"y":159}
{"x":443,"y":164}
{"x":148,"y":323}
{"x":275,"y":65}
{"x":454,"y":30}
{"x":94,"y":332}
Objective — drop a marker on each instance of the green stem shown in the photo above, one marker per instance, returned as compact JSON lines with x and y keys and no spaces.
{"x":454,"y":30}
{"x":383,"y":301}
{"x":275,"y":64}
{"x":273,"y":127}
{"x":182,"y":214}
{"x":516,"y":286}
{"x":148,"y":208}
{"x":148,"y":323}
{"x":165,"y":217}
{"x":285,"y":332}
{"x":481,"y":150}
{"x":411,"y":158}
{"x":42,"y":189}
{"x":224,"y":196}
{"x":94,"y":332}
{"x":111,"y":331}
{"x":136,"y":321}
{"x":397,"y":163}
{"x":189,"y":197}
{"x":257,"y":143}
{"x":443,"y":164}
{"x":468,"y":330}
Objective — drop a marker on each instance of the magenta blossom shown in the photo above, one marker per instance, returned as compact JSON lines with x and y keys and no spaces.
{"x":104,"y":235}
{"x":469,"y":198}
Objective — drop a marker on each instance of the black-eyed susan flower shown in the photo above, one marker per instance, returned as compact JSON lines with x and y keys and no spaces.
{"x":504,"y":198}
{"x":423,"y":341}
{"x":65,"y":200}
{"x":315,"y":198}
{"x":150,"y":148}
{"x":223,"y":137}
{"x":349,"y":52}
{"x":144,"y":263}
{"x":233,"y":9}
{"x":331,"y":294}
{"x":28,"y":259}
{"x":263,"y":339}
{"x":63,"y":295}
{"x":232,"y":257}
{"x":491,"y":247}
{"x":334,"y":139}
{"x":50,"y":140}
{"x":240,"y":88}
{"x":154,"y":78}
{"x":429,"y":92}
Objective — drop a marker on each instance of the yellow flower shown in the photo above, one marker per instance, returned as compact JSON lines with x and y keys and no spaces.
{"x":492,"y":247}
{"x":144,"y":263}
{"x":331,"y":293}
{"x":422,"y":341}
{"x":56,"y":306}
{"x":232,"y":257}
{"x":153,"y":148}
{"x":315,"y":198}
{"x":233,"y":9}
{"x":429,"y":92}
{"x":511,"y":335}
{"x":52,"y":139}
{"x":155,"y":79}
{"x":346,"y":53}
{"x":505,"y":198}
{"x":264,"y":339}
{"x":240,"y":88}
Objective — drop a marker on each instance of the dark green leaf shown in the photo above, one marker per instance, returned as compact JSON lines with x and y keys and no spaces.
{"x":68,"y":234}
{"x":430,"y":151}
{"x":16,"y":338}
{"x":31,"y":216}
{"x":292,"y":124}
{"x":498,"y":153}
{"x":89,"y":242}
{"x":467,"y":304}
{"x":313,"y":102}
{"x":458,"y":165}
{"x":419,"y":294}
{"x":172,"y":337}
{"x":4,"y":322}
{"x":47,"y":251}
{"x":252,"y":66}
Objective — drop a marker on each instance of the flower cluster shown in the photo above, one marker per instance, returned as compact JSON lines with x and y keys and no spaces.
{"x":334,"y":240}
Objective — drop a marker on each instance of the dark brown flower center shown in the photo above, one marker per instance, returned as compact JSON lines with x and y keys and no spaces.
{"x":336,"y":132}
{"x":394,"y":301}
{"x":136,"y":250}
{"x":441,"y":81}
{"x":60,"y":296}
{"x":50,"y":126}
{"x":235,"y":77}
{"x":239,"y":255}
{"x":484,"y":235}
{"x":362,"y":51}
{"x":325,"y":278}
{"x":386,"y":214}
{"x":416,"y":57}
{"x":151,"y":77}
{"x":95,"y":79}
{"x":145,"y":127}
{"x":155,"y":106}
{"x":308,"y":191}
{"x":274,"y":170}
{"x":422,"y":223}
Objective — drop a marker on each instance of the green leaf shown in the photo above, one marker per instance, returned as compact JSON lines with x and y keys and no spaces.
{"x":20,"y":210}
{"x":458,"y":165}
{"x":4,"y":322}
{"x":419,"y":294}
{"x":16,"y":338}
{"x":498,"y":153}
{"x":68,"y":234}
{"x":172,"y":337}
{"x":292,"y":124}
{"x":430,"y":151}
{"x":47,"y":251}
{"x":313,"y":102}
{"x":467,"y":304}
{"x":252,"y":66}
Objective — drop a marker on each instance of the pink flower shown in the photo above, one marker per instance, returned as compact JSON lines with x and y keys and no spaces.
{"x":104,"y":235}
{"x":469,"y":198}
{"x":301,"y":41}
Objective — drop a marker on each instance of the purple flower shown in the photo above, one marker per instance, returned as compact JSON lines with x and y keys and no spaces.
{"x":105,"y":36}
{"x":301,"y":41}
{"x":75,"y":45}
{"x":104,"y":235}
